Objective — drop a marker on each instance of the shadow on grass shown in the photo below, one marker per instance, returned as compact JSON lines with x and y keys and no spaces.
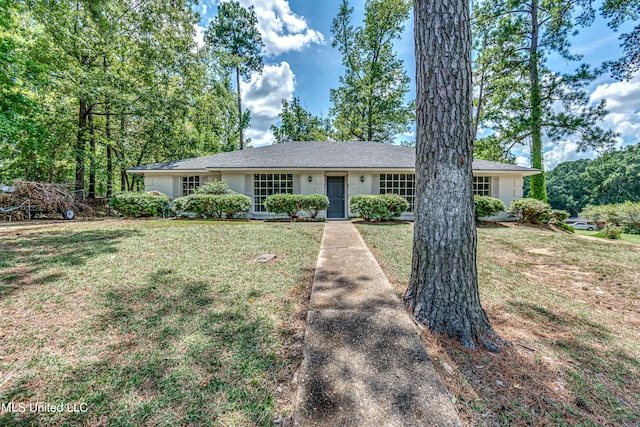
{"x":25,"y":255}
{"x":597,"y":375}
{"x":181,"y":352}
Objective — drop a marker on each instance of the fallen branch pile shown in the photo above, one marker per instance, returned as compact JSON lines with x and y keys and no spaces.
{"x":41,"y":196}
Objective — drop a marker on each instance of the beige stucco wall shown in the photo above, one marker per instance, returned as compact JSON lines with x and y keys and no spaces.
{"x":163,"y":184}
{"x":510,"y":189}
{"x":236,"y":182}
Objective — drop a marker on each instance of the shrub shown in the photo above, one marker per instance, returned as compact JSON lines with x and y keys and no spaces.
{"x":558,"y":216}
{"x":395,"y":204}
{"x":214,"y":187}
{"x":314,"y":203}
{"x":203,"y":205}
{"x":487,"y":206}
{"x":381,"y":208}
{"x":213,"y":205}
{"x":287,"y":204}
{"x":233,"y":204}
{"x":565,"y":227}
{"x":612,"y":232}
{"x":531,"y":211}
{"x":137,"y":204}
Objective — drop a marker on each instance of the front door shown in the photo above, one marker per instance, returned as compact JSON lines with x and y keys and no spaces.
{"x":335,"y":193}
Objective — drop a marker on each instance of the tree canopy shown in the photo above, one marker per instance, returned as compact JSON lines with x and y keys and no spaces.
{"x":370,"y":103}
{"x":89,"y":89}
{"x":234,"y":38}
{"x":613,"y":177}
{"x":297,"y":124}
{"x":519,"y":97}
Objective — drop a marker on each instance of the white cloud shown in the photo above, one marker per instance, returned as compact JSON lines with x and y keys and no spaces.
{"x":263,"y":95}
{"x":523,"y":161}
{"x":623,"y":103}
{"x":281,"y":29}
{"x":199,"y":36}
{"x":565,"y":151}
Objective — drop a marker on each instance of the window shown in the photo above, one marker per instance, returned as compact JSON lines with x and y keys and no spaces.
{"x":189,"y":184}
{"x":402,"y":184}
{"x":266,"y":184}
{"x":482,"y":185}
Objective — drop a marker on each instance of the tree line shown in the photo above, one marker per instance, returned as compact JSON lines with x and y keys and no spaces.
{"x":613,"y":177}
{"x":91,"y":88}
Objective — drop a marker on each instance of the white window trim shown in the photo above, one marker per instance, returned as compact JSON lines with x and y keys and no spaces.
{"x":188,"y":184}
{"x":482,"y":185}
{"x":269,"y":188}
{"x":398,"y":183}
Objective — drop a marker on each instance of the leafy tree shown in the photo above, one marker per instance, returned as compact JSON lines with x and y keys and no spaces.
{"x":614,"y":177}
{"x":103,"y":86}
{"x":297,"y":124}
{"x":443,"y":289}
{"x":619,"y":12}
{"x":370,"y":103}
{"x":22,"y":137}
{"x":566,"y":189}
{"x":233,"y":35}
{"x":521,"y":95}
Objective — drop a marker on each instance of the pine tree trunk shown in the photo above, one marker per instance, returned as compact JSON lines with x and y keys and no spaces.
{"x":538,"y":190}
{"x":443,"y":290}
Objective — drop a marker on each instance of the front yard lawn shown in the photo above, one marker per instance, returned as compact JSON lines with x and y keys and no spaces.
{"x":153,"y":322}
{"x":571,"y":308}
{"x":629,"y":238}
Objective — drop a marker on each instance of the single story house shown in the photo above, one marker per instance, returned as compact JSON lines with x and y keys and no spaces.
{"x":338,"y":170}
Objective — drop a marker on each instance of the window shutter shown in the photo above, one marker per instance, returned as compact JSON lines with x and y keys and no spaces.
{"x":495,"y":186}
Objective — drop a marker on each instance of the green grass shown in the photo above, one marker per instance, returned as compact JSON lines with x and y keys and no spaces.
{"x":570,"y":305}
{"x":628,"y":238}
{"x":153,"y":322}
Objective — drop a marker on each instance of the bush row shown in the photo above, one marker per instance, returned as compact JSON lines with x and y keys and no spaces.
{"x":292,"y":204}
{"x":138,"y":204}
{"x":378,"y":208}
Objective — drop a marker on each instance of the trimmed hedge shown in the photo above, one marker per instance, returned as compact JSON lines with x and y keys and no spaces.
{"x":487,"y":206}
{"x":213,"y":205}
{"x":385,"y":207}
{"x":292,"y":204}
{"x":138,"y":204}
{"x":532,"y":211}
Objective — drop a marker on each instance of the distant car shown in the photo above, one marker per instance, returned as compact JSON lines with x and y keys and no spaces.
{"x":584,"y":225}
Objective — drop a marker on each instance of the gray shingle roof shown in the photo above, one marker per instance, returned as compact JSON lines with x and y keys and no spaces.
{"x":315,"y":155}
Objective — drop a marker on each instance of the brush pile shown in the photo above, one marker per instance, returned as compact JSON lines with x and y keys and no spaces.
{"x":41,"y":198}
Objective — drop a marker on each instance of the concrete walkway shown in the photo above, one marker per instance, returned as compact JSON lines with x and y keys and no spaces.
{"x":364,"y":364}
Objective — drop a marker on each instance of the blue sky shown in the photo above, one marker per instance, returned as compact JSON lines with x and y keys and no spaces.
{"x":299,"y":61}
